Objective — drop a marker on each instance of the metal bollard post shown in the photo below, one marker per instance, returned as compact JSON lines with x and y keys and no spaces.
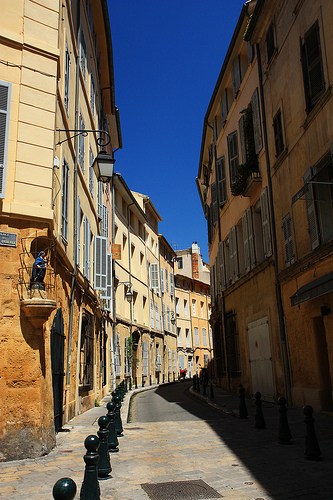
{"x":284,"y":435}
{"x":312,"y":450}
{"x":90,"y":487}
{"x":119,"y":425}
{"x":64,"y":489}
{"x":112,"y":438}
{"x":242,"y":405}
{"x":259,"y":417}
{"x":198,"y":385}
{"x":104,"y":465}
{"x":194,"y":382}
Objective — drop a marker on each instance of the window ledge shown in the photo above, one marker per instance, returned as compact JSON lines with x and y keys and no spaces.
{"x":317,"y":108}
{"x":280,"y":159}
{"x":271,"y":61}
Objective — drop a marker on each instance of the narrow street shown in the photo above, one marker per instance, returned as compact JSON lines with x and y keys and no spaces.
{"x":174,"y":438}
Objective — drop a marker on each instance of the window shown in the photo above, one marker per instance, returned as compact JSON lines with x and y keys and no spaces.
{"x":104,"y":224}
{"x":162,"y":281}
{"x":64,"y":201}
{"x":202,"y":309}
{"x":166,"y":281}
{"x":67,"y":79}
{"x":92,"y":96}
{"x":288,"y":240}
{"x":152,"y":322}
{"x":81,"y":143}
{"x":204,"y":337}
{"x":185,"y":309}
{"x":236,"y":76}
{"x":177,"y":306}
{"x":78,"y":232}
{"x":319,"y":201}
{"x":266,"y":230}
{"x":233,"y":155}
{"x":154,"y":277}
{"x":224,"y":107}
{"x":172,"y":284}
{"x":5,"y":93}
{"x":256,"y":121}
{"x":196,"y":336}
{"x":179,"y":337}
{"x":233,"y":254}
{"x":83,"y":56}
{"x":91,"y":172}
{"x":221,"y":180}
{"x":100,"y":262}
{"x":193,"y":307}
{"x":248,"y":240}
{"x":168,"y":318}
{"x":312,"y":64}
{"x":157,"y":317}
{"x":278,"y":134}
{"x":86,"y":247}
{"x":187,"y":336}
{"x":270,"y":43}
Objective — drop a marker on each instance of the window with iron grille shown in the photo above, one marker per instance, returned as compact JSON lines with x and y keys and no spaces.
{"x":64,"y":201}
{"x":312,"y":64}
{"x":231,"y":338}
{"x":278,"y":133}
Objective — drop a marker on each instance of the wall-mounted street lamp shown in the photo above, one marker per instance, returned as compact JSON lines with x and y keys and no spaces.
{"x":173,"y":319}
{"x":103,"y":164}
{"x":129,"y":293}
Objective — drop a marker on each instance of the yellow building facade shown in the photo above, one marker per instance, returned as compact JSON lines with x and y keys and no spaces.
{"x":56,"y":352}
{"x":295,"y":39}
{"x":233,"y":184}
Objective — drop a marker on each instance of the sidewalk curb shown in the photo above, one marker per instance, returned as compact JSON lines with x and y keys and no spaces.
{"x":206,"y":400}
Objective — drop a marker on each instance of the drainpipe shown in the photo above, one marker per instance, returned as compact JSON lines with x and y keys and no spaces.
{"x":71,"y":310}
{"x":285,"y":356}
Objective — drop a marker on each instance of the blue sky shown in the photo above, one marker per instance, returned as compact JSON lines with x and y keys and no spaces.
{"x":167,"y":58}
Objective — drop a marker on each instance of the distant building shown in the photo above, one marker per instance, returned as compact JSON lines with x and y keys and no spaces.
{"x":192,"y":296}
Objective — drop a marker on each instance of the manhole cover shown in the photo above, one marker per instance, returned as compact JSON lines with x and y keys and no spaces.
{"x":180,"y":490}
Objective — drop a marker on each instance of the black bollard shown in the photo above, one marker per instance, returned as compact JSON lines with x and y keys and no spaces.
{"x":119,"y":425}
{"x":312,"y":450}
{"x":112,"y":438}
{"x":136,"y":382}
{"x":198,"y":384}
{"x":104,"y":465}
{"x":64,"y":489}
{"x":284,"y":431}
{"x":242,"y":405}
{"x":90,"y":487}
{"x":211,"y":391}
{"x":194,"y":382}
{"x":259,"y":417}
{"x":130,"y":383}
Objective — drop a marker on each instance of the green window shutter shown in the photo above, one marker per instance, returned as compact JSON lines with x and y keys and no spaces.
{"x":222,"y":265}
{"x":236,"y":76}
{"x":288,"y":240}
{"x":224,"y":107}
{"x":313,"y":66}
{"x":246,"y":242}
{"x":311,"y":210}
{"x":251,"y":237}
{"x":256,"y":121}
{"x":233,"y":155}
{"x":214,"y":203}
{"x":222,"y":181}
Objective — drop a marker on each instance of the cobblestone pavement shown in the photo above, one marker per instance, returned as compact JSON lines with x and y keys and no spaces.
{"x":179,"y":451}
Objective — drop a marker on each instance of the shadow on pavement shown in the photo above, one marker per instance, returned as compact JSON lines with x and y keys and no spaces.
{"x":281,"y":469}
